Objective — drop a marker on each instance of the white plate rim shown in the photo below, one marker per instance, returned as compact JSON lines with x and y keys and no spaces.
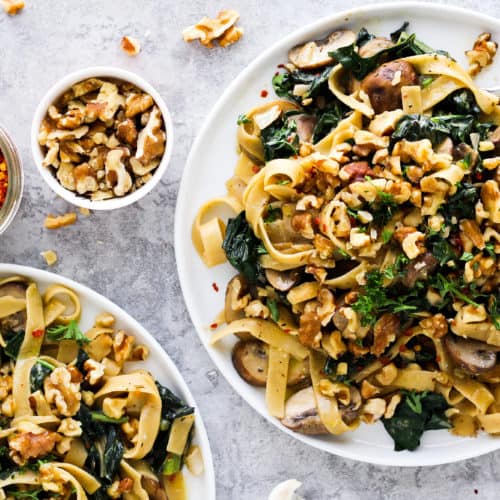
{"x":308,"y":32}
{"x":108,"y":305}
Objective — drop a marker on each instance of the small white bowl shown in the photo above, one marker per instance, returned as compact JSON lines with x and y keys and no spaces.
{"x":56,"y":91}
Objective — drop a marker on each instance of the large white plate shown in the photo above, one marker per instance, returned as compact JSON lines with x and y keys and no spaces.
{"x":158,"y":363}
{"x":212,"y":161}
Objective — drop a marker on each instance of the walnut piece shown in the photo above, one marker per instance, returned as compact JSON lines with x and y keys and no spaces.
{"x":12,"y":7}
{"x":117,"y":176}
{"x":62,"y":392}
{"x":221,"y":29}
{"x":151,"y":139}
{"x":30,"y":445}
{"x":482,"y":53}
{"x":57,"y":221}
{"x":50,"y":257}
{"x":131,"y":46}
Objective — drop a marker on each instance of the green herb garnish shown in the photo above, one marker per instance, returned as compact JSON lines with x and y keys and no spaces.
{"x":71,"y":331}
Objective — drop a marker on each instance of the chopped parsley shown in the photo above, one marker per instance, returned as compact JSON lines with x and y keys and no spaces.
{"x":71,"y":331}
{"x":243,"y":119}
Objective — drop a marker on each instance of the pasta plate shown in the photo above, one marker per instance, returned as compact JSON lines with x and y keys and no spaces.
{"x":201,"y":182}
{"x":158,"y":362}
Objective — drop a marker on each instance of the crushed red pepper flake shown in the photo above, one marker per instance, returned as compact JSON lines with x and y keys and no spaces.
{"x":255,"y":169}
{"x":37,"y":333}
{"x":264,"y":93}
{"x":215,"y":287}
{"x":213,"y":326}
{"x":4,"y":180}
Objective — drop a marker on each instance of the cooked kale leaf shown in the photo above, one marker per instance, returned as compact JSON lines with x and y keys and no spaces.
{"x":460,"y":205}
{"x":241,"y":248}
{"x":416,"y":413}
{"x":395,"y":35}
{"x":458,"y":127}
{"x":460,"y":102}
{"x":280,"y":139}
{"x":113,"y":453}
{"x":14,"y":340}
{"x":328,"y":118}
{"x":407,"y":45}
{"x":172,"y":407}
{"x":284,"y":83}
{"x":39,"y":371}
{"x":441,"y":249}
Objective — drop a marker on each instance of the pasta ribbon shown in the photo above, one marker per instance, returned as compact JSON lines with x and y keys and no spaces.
{"x":267,"y":331}
{"x":138,"y":384}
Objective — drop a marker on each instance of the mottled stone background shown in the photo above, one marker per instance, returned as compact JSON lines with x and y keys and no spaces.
{"x":128,"y":254}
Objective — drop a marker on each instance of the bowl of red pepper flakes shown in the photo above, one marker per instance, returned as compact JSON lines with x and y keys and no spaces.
{"x":11,"y":180}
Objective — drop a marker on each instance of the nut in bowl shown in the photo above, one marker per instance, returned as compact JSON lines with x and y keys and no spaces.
{"x":102,"y":138}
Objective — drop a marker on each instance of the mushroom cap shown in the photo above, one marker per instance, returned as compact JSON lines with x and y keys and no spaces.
{"x":301,"y":414}
{"x":473,"y":356}
{"x":282,"y":280}
{"x":375,"y":45}
{"x":153,"y":488}
{"x":314,"y":54}
{"x":378,"y":85}
{"x":15,"y":321}
{"x":251,"y":361}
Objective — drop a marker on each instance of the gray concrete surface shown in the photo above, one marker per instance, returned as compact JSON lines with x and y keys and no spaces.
{"x":128,"y":254}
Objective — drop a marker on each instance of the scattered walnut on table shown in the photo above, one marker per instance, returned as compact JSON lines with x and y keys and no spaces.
{"x":57,"y":221}
{"x":50,"y":257}
{"x":221,"y":29}
{"x":131,"y":46}
{"x":482,"y":53}
{"x":12,"y":7}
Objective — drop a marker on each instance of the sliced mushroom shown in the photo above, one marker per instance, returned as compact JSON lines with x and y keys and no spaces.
{"x":17,"y":321}
{"x":305,"y":126}
{"x":472,"y":356}
{"x":419,"y":269}
{"x":301,"y":414}
{"x":314,"y":54}
{"x":282,"y":280}
{"x":339,"y":320}
{"x":298,"y":372}
{"x":235,"y":302}
{"x":251,"y":360}
{"x":153,"y":489}
{"x":351,"y":412}
{"x":374,"y":46}
{"x":462,"y":150}
{"x":380,"y":86}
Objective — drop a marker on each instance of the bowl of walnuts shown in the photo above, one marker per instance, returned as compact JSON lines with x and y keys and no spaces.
{"x":102,"y":138}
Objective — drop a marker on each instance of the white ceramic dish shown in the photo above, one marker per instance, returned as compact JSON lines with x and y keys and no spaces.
{"x":439,"y":26}
{"x":57,"y":90}
{"x":158,"y":363}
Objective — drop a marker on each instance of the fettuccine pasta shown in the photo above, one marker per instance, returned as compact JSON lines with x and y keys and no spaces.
{"x":366,"y":234}
{"x":75,"y":421}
